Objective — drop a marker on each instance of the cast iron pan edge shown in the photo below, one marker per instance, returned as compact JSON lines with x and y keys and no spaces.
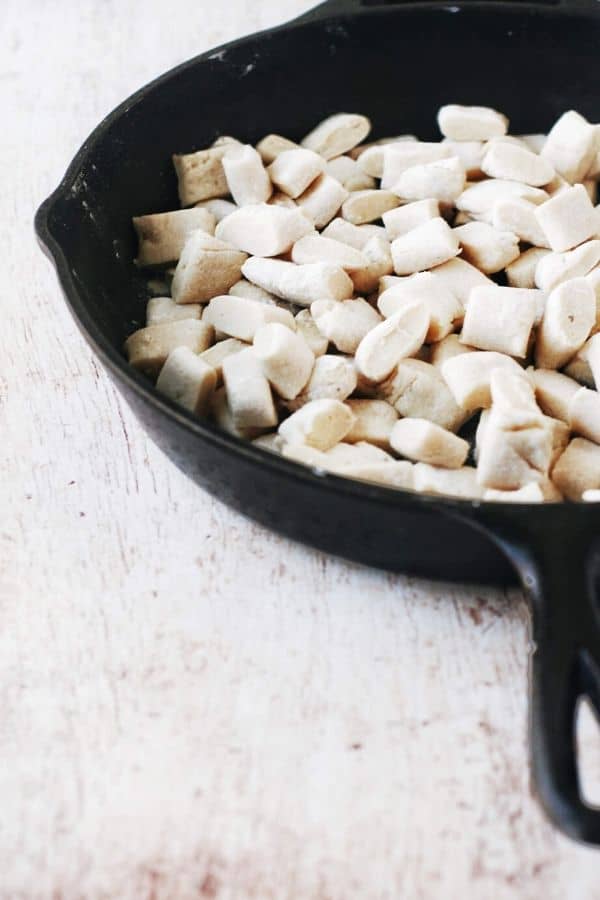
{"x":555,"y":548}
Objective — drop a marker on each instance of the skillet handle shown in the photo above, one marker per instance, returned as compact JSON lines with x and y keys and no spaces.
{"x":557,"y":554}
{"x":564,"y":668}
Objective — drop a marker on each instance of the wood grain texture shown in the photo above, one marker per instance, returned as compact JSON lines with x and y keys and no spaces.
{"x":191,"y":705}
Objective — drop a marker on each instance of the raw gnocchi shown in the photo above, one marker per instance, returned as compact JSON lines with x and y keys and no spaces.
{"x":367,"y":308}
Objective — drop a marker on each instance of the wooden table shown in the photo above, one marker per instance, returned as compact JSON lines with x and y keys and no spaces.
{"x":191,"y":705}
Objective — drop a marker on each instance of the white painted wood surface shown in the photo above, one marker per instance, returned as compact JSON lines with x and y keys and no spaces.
{"x":191,"y":705}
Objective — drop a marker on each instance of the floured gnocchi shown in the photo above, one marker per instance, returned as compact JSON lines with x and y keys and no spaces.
{"x":423,"y":315}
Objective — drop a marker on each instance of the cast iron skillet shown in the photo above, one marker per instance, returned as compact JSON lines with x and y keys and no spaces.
{"x":398,"y":63}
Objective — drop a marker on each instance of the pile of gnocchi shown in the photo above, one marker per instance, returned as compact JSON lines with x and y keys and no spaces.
{"x":423,"y":315}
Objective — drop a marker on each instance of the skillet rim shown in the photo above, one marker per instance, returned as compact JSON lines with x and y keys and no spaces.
{"x":118,"y":366}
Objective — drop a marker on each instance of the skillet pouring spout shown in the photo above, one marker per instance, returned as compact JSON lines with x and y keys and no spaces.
{"x":556,"y":551}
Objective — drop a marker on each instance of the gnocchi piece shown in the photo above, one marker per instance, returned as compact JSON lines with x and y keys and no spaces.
{"x":388,"y":281}
{"x":397,"y":158}
{"x":460,"y":277}
{"x":521,"y":272}
{"x":373,"y":422}
{"x":516,"y":163}
{"x":534,"y":142}
{"x":278,"y":198}
{"x":448,"y":348}
{"x":378,"y":253}
{"x":187,"y":380}
{"x":364,"y":207}
{"x":511,"y":390}
{"x":272,"y":442}
{"x":345,"y":324}
{"x":308,"y":456}
{"x":337,"y":135}
{"x":162,"y":236}
{"x":299,"y":284}
{"x":356,"y":236}
{"x":591,"y":496}
{"x":471,"y":123}
{"x":382,"y":348}
{"x":347,"y":454}
{"x":320,"y":424}
{"x":349,"y":174}
{"x":501,"y":319}
{"x":479,"y":199}
{"x":594,"y":170}
{"x":570,"y":146}
{"x":417,"y":390}
{"x":396,"y":474}
{"x":263,"y":229}
{"x":584,"y":414}
{"x":556,"y":268}
{"x":286,"y":359}
{"x":444,"y":308}
{"x":332,"y":378}
{"x":590,"y":353}
{"x":215,"y":355}
{"x":207,"y":267}
{"x":200,"y":175}
{"x":162,"y":309}
{"x":148,"y":348}
{"x":519,"y":216}
{"x":554,"y":392}
{"x":460,"y":483}
{"x":567,"y":219}
{"x":293,"y":171}
{"x":249,"y":397}
{"x":442,"y":180}
{"x":316,"y":248}
{"x":567,"y":322}
{"x":470,"y":154}
{"x":241,"y":318}
{"x":424,"y":247}
{"x":516,"y":449}
{"x":487,"y":248}
{"x":403,"y":219}
{"x":424,"y":441}
{"x":218,"y":208}
{"x":247,"y":179}
{"x":331,"y":460}
{"x":223,"y":416}
{"x":370,"y":156}
{"x":468,"y":376}
{"x":578,"y":469}
{"x":307,"y":327}
{"x":578,"y":368}
{"x":322,"y":200}
{"x":272,"y":146}
{"x":243,"y":288}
